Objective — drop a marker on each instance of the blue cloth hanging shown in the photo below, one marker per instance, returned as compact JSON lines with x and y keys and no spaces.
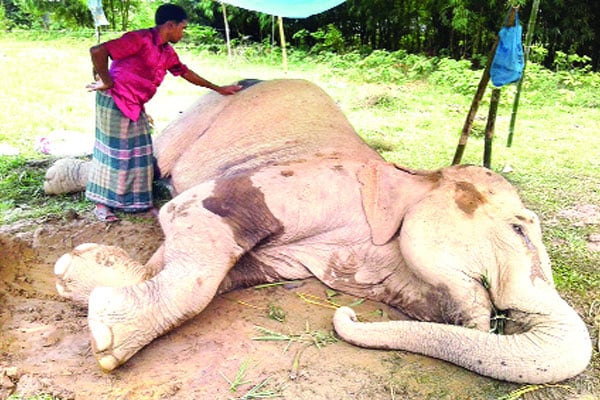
{"x":507,"y":66}
{"x":95,"y":7}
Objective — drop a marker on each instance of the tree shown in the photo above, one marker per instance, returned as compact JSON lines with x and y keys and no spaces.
{"x":462,"y":29}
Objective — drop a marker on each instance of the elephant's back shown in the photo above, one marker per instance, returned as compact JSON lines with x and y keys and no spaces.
{"x":272,"y":122}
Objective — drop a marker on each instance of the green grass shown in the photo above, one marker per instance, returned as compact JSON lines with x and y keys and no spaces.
{"x":414,"y":122}
{"x":261,"y":390}
{"x":22,"y":194}
{"x":413,"y":116}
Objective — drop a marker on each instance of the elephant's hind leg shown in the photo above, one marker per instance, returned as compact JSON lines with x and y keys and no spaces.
{"x":90,"y":265}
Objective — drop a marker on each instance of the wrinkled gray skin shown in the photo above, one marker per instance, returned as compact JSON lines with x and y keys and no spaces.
{"x":273,"y":184}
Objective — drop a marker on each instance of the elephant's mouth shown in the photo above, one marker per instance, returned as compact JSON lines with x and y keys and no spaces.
{"x":508,"y":322}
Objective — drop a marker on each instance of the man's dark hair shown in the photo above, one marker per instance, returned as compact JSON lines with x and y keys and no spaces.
{"x":169,"y":12}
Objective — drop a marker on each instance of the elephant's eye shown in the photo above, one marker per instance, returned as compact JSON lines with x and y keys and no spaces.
{"x":518,"y":229}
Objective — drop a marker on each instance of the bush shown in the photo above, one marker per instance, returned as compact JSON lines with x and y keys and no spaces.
{"x":572,"y":88}
{"x":458,"y":75}
{"x":202,"y":37}
{"x":329,"y":38}
{"x":537,"y":53}
{"x":383,"y":66}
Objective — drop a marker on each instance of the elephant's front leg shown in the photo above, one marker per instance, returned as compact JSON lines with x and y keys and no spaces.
{"x":207,"y":230}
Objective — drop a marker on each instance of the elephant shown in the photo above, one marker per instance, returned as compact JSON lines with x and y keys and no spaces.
{"x":273,"y":183}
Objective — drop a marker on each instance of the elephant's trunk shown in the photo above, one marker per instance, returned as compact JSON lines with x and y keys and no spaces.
{"x":556,"y":347}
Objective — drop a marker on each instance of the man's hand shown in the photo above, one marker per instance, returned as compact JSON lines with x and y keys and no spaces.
{"x":99,"y":85}
{"x":228,"y":90}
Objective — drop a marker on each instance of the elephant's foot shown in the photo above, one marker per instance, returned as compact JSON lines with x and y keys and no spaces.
{"x":67,"y":175}
{"x":90,"y":265}
{"x":121,"y":322}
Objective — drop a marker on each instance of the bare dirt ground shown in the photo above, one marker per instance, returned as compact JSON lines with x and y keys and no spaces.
{"x":44,"y":343}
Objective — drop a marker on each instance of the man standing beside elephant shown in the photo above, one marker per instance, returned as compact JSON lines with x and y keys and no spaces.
{"x":122,"y":170}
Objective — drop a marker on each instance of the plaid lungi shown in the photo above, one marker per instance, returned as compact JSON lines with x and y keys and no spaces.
{"x":122,"y":170}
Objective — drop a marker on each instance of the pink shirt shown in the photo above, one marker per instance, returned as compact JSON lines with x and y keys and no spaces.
{"x":139,"y":64}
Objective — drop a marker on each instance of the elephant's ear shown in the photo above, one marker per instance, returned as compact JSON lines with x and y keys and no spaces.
{"x":380,"y":185}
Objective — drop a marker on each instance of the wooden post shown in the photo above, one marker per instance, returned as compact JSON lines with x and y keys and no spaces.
{"x":528,"y":39}
{"x":227,"y":33}
{"x":272,"y":30}
{"x":485,"y":78}
{"x":483,"y":82}
{"x":489,"y":128}
{"x":282,"y":39}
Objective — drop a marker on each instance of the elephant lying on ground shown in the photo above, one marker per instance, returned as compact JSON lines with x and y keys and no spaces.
{"x":274,"y":184}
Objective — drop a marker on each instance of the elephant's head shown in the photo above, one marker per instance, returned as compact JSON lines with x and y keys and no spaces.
{"x":469,"y":231}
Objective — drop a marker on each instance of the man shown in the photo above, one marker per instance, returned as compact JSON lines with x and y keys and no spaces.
{"x":122,"y":170}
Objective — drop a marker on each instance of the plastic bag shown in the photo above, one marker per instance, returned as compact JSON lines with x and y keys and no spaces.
{"x":507,"y":66}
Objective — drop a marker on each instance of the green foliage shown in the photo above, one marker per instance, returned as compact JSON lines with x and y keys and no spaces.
{"x":69,"y":14}
{"x":202,"y":37}
{"x":328,"y":38}
{"x":537,"y":53}
{"x":32,"y":12}
{"x":120,"y":12}
{"x":565,"y":62}
{"x":301,"y":38}
{"x":463,"y":18}
{"x":380,"y":66}
{"x":205,"y":7}
{"x":143,"y":17}
{"x":574,"y":87}
{"x":458,"y":75}
{"x":35,"y":14}
{"x":455,"y":28}
{"x":5,"y":22}
{"x":383,"y":66}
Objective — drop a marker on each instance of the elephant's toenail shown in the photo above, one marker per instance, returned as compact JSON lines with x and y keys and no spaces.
{"x":101,"y":336}
{"x":61,"y":289}
{"x":85,"y":246}
{"x":60,"y":267}
{"x":108,"y":363}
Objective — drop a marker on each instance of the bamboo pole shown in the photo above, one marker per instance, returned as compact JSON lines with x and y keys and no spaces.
{"x":282,"y":39}
{"x":272,"y":30}
{"x":483,"y":82}
{"x":489,"y":129}
{"x":528,"y":39}
{"x":227,"y":33}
